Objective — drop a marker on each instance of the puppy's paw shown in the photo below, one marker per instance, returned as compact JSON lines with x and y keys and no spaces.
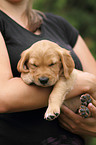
{"x":85,"y":99}
{"x":84,"y":111}
{"x":51,"y":113}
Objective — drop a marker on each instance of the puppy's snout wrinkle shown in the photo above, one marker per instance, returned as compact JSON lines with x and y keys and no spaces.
{"x":43,"y":80}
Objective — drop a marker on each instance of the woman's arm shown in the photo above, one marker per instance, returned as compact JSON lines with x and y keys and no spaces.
{"x":87,"y":60}
{"x":68,"y":119}
{"x":76,"y":124}
{"x":15,"y":95}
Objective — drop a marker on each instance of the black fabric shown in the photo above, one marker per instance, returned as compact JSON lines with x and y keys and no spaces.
{"x":29,"y":127}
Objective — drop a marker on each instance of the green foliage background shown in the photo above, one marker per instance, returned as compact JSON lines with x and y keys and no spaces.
{"x":81,"y":14}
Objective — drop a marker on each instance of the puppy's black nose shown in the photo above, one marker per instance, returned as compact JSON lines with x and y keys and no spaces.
{"x":43,"y":80}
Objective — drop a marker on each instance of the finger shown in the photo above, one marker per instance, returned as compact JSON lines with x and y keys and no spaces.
{"x":65,"y":123}
{"x":78,"y":120}
{"x":69,"y":113}
{"x":70,"y":126}
{"x":63,"y":119}
{"x":92,"y":108}
{"x":82,"y":126}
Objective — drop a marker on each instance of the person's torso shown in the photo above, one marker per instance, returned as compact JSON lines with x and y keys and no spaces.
{"x":29,"y":127}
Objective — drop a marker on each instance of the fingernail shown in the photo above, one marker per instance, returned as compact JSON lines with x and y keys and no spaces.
{"x":90,"y":105}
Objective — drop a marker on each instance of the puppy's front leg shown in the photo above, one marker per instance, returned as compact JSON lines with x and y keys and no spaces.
{"x":56,"y":98}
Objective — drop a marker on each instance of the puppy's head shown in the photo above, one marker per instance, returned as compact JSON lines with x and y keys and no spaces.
{"x":43,"y":62}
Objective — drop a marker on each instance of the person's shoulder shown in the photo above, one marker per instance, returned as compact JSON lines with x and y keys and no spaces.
{"x":53,"y":16}
{"x":57,"y":19}
{"x":1,"y":14}
{"x":1,"y":20}
{"x":50,"y":14}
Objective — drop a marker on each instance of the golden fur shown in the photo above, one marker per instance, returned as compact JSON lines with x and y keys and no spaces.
{"x":47,"y":64}
{"x":45,"y":59}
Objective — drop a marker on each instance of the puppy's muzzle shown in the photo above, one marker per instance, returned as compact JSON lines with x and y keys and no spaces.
{"x":43,"y":80}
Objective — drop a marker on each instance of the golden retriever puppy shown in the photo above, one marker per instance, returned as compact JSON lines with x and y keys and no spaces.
{"x":47,"y":64}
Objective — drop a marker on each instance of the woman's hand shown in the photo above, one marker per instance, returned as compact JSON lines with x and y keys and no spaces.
{"x":76,"y":124}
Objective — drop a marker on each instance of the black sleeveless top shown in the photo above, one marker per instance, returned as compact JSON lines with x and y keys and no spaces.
{"x":29,"y":127}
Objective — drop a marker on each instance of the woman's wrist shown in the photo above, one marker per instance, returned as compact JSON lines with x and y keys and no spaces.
{"x":90,"y":80}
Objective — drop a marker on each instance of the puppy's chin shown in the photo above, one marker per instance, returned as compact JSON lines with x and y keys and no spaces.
{"x":41,"y":85}
{"x":29,"y":79}
{"x":49,"y":84}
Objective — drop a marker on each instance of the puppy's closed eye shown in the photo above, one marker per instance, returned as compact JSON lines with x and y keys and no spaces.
{"x":52,"y":64}
{"x":34,"y":65}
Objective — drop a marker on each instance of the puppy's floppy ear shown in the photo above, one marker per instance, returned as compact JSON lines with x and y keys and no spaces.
{"x":22,"y":64}
{"x":67,"y":62}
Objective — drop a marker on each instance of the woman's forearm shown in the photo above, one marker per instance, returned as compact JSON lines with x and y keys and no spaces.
{"x":85,"y":83}
{"x":15,"y":95}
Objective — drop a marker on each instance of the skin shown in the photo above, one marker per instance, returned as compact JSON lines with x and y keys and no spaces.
{"x":33,"y":97}
{"x":69,"y":119}
{"x":76,"y":124}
